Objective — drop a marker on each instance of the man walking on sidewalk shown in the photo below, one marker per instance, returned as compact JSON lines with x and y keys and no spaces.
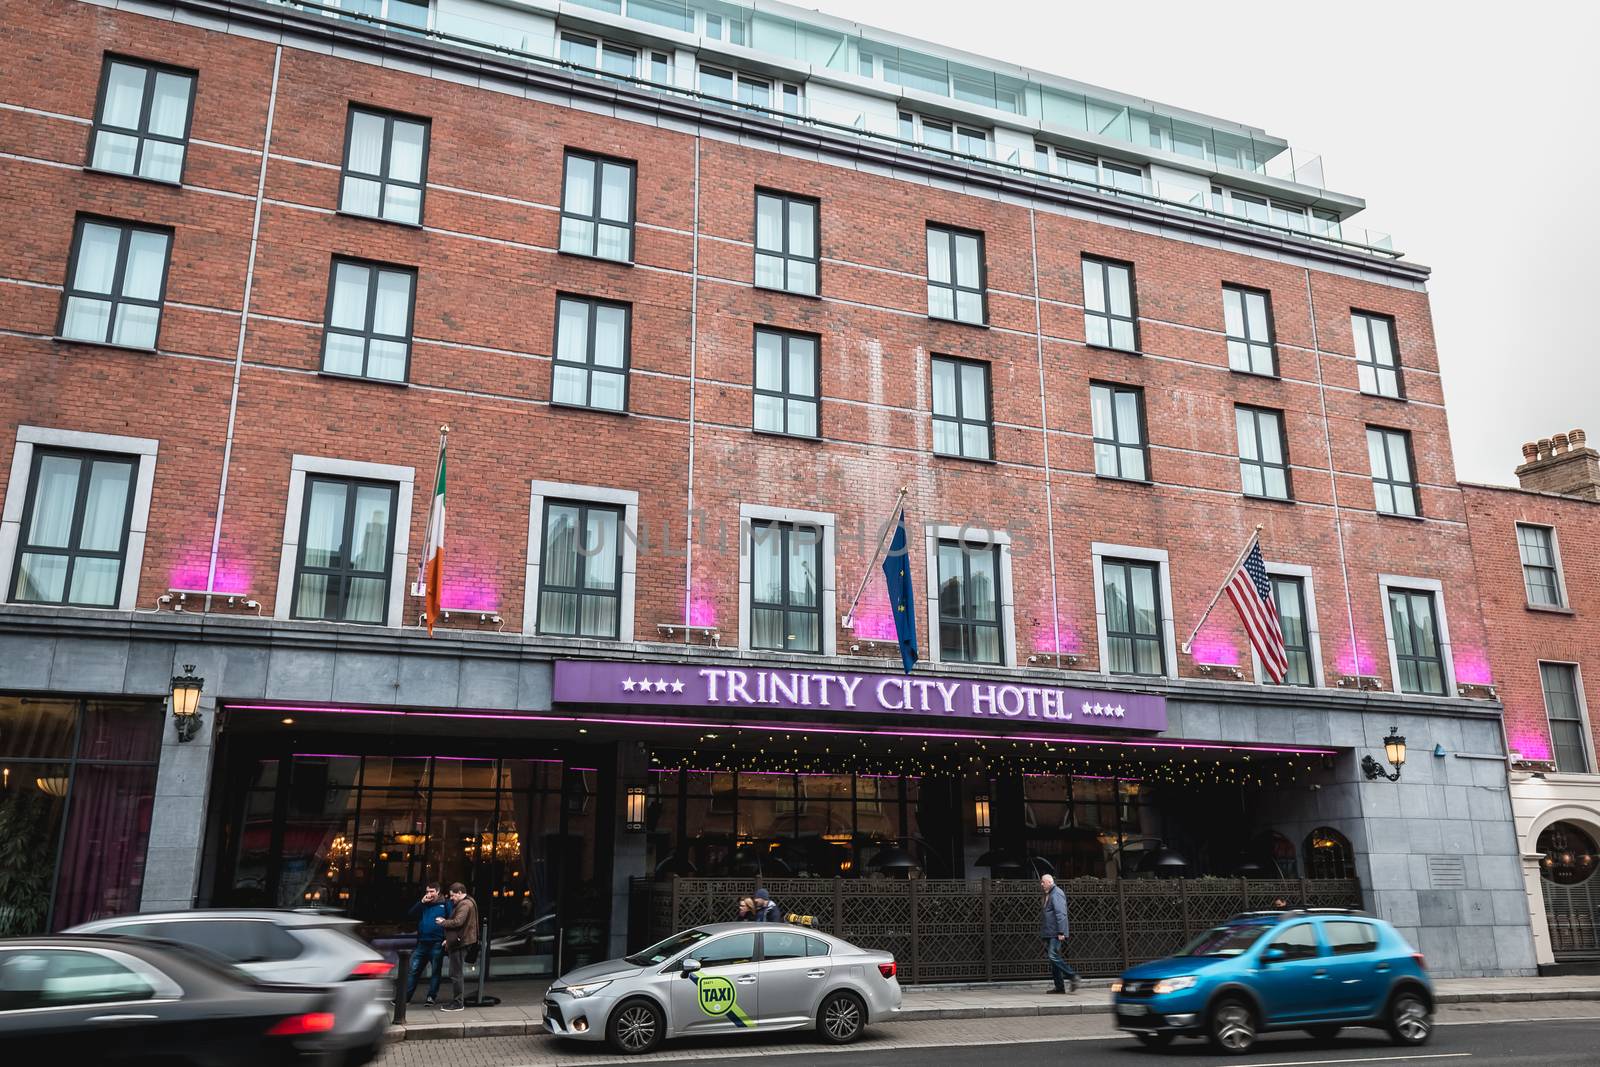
{"x":1053,"y":931}
{"x":460,"y":941}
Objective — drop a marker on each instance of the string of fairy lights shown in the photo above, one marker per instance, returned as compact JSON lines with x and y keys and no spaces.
{"x":800,"y":753}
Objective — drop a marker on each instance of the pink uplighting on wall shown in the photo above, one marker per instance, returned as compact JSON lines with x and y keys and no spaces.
{"x":1472,"y":666}
{"x":1530,"y":745}
{"x":872,"y":619}
{"x":1060,"y":637}
{"x":190,"y":573}
{"x":1356,"y":660}
{"x":1212,"y":647}
{"x":702,"y":612}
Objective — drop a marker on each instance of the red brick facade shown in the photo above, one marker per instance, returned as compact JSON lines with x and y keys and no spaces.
{"x":487,"y":279}
{"x":1521,"y":635}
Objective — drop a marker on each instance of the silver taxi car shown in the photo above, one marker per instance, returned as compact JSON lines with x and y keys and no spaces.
{"x":726,"y":978}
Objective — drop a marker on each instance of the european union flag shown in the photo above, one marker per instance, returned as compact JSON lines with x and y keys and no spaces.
{"x":902,"y":600}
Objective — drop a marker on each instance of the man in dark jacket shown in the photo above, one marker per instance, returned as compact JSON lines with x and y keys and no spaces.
{"x":460,"y":932}
{"x":1053,"y":931}
{"x":766,"y":910}
{"x":430,"y":941}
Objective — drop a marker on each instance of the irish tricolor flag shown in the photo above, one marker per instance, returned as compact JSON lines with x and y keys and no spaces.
{"x":432,"y":576}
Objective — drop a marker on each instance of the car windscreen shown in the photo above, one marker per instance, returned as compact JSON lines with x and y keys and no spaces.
{"x":665,"y":950}
{"x":1223,"y":941}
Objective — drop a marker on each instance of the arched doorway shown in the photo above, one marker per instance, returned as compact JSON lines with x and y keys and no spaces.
{"x":1568,"y":859}
{"x":1328,"y":854}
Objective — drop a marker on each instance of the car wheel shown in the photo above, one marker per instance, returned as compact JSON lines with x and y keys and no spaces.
{"x":1324,"y":1033}
{"x":1409,"y":1020}
{"x":1233,"y":1026}
{"x":1154,"y":1040}
{"x":841,"y":1019}
{"x":635,"y":1027}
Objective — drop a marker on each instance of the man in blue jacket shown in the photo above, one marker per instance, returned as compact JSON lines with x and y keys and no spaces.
{"x":766,"y":910}
{"x":1053,"y":931}
{"x":430,"y":940}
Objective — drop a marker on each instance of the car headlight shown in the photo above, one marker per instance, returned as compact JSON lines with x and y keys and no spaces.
{"x":1173,"y":985}
{"x":1116,"y":986}
{"x":588,"y":989}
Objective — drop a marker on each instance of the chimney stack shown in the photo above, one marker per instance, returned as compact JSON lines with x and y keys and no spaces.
{"x":1561,"y":463}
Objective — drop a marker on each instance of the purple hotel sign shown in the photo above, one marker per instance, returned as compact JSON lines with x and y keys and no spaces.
{"x":690,"y":687}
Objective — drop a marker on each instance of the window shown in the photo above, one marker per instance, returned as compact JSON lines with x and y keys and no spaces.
{"x":1289,"y":597}
{"x":238,"y":940}
{"x":1120,"y":448}
{"x":1376,"y":365}
{"x":580,"y":576}
{"x":1133,"y":617}
{"x":591,"y":364}
{"x":116,"y":282}
{"x":346,"y":542}
{"x":1329,"y":855}
{"x":1263,"y":457}
{"x":786,"y":586}
{"x":787,"y":382}
{"x":955,"y":275}
{"x":970,"y":629}
{"x":597,"y":207}
{"x":1075,"y":166}
{"x":660,"y":69}
{"x":815,"y":946}
{"x":783,"y":946}
{"x":1350,"y":938}
{"x":1248,"y":317}
{"x":1565,"y":709}
{"x":35,"y":978}
{"x":385,"y":166}
{"x":141,"y":125}
{"x":787,"y":240}
{"x":725,"y":951}
{"x":1108,"y":307}
{"x":413,"y":13}
{"x":369,"y":321}
{"x":595,"y":54}
{"x":1123,"y":176}
{"x":1298,"y":942}
{"x":961,"y":425}
{"x":1394,"y":491}
{"x":944,"y":135}
{"x":73,"y":541}
{"x":748,"y":89}
{"x":1418,"y":653}
{"x":1540,"y":576}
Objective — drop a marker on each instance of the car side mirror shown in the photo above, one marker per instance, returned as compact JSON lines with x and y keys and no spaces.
{"x":689,"y":966}
{"x":1274,"y":955}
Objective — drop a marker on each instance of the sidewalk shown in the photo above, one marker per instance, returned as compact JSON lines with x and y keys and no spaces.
{"x":519,"y":1011}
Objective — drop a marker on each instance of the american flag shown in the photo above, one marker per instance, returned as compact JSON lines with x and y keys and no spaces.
{"x":1251,"y":592}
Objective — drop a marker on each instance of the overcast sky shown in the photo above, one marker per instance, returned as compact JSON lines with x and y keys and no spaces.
{"x":1469,"y":129}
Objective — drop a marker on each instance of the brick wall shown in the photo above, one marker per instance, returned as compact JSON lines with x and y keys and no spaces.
{"x":1520,"y":635}
{"x":487,"y":281}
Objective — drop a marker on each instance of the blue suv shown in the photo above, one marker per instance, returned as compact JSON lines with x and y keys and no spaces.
{"x":1318,"y":970}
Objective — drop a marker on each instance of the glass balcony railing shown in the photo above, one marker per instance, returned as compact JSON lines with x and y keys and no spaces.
{"x":1272,"y":160}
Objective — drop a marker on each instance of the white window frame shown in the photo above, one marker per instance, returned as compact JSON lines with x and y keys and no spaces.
{"x":627,"y":499}
{"x":1561,"y":571}
{"x":31,"y":437}
{"x":972,"y":535}
{"x":918,"y":134}
{"x":777,"y":88}
{"x":1583,"y":715}
{"x":1417,"y":585}
{"x":1313,"y":629}
{"x":404,"y":479}
{"x":821,"y":519}
{"x":1050,"y":158}
{"x":1101,"y":551}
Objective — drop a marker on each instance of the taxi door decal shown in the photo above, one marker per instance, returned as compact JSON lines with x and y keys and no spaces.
{"x":717,"y":996}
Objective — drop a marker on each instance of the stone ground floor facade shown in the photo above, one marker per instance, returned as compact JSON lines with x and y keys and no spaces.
{"x":341,"y":767}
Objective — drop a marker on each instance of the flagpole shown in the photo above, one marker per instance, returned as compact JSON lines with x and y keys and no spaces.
{"x":422,"y":564}
{"x":1218,"y":595}
{"x":899,"y":502}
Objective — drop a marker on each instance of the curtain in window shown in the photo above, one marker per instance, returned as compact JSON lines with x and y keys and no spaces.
{"x":124,"y":96}
{"x":108,"y":825}
{"x":558,"y":611}
{"x":323,"y":547}
{"x":366,"y":145}
{"x":599,"y":613}
{"x":766,"y":586}
{"x":94,"y":581}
